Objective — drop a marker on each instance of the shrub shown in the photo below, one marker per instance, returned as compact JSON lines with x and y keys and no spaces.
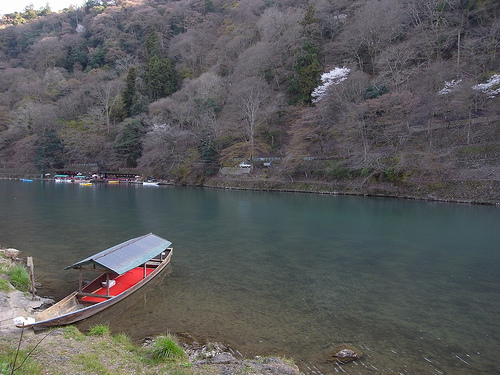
{"x":19,"y":278}
{"x":338,"y":171}
{"x":166,"y":348}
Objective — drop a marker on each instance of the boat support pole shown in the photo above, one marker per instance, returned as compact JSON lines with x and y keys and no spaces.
{"x":80,"y":280}
{"x":107,"y":284}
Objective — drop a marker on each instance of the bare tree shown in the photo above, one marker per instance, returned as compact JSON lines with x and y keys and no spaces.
{"x":46,"y":53}
{"x":374,"y":26}
{"x":397,"y":64}
{"x":107,"y":95}
{"x":252,"y":97}
{"x":165,"y":147}
{"x":36,"y":117}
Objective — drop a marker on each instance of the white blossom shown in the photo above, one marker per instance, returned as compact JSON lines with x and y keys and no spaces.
{"x":449,"y":86}
{"x":491,"y":88}
{"x":334,"y":76}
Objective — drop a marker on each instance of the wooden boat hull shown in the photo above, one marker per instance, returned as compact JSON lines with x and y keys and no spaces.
{"x":69,"y":310}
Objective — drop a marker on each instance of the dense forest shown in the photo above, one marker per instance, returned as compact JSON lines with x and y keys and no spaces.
{"x":402,"y":94}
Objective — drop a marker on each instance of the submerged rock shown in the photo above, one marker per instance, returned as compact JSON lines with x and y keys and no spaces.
{"x":11,"y":253}
{"x":344,"y":353}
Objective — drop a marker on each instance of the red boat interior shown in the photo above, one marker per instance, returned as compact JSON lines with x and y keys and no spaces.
{"x":123,"y":282}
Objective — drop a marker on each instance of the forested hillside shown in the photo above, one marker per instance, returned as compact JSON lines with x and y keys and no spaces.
{"x":403,"y":93}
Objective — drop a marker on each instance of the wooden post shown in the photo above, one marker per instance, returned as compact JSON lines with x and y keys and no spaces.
{"x":31,"y":268}
{"x":107,"y":284}
{"x":80,"y":280}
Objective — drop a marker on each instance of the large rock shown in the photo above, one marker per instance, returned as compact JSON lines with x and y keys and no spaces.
{"x":344,"y":353}
{"x":14,"y":304}
{"x":11,"y":253}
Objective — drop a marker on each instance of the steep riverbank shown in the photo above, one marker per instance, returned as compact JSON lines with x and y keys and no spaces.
{"x":460,"y":191}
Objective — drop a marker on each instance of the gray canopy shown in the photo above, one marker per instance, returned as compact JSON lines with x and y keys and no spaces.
{"x":127,"y":255}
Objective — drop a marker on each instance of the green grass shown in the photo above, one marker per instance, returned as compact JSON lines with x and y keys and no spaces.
{"x":92,"y":363}
{"x":123,"y":340}
{"x":4,"y":287}
{"x":7,"y":358}
{"x":99,"y":330}
{"x":71,"y":332}
{"x":19,"y":278}
{"x":166,"y":348}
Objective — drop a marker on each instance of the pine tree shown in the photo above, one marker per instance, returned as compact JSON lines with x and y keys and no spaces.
{"x":152,"y":44}
{"x":307,"y":64}
{"x":128,"y":95}
{"x":128,"y":146}
{"x":160,"y":76}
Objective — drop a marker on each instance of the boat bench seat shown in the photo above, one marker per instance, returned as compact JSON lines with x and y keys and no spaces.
{"x":122,"y":283}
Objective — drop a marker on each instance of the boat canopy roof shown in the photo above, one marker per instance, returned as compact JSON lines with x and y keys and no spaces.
{"x":127,"y":255}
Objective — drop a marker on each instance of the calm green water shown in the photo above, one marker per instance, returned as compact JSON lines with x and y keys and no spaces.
{"x":414,"y":285}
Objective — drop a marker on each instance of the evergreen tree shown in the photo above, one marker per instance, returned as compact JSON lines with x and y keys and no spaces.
{"x":128,"y":146}
{"x":49,"y":152}
{"x":152,"y":44}
{"x":160,"y":77}
{"x":128,"y":95}
{"x":307,"y":64}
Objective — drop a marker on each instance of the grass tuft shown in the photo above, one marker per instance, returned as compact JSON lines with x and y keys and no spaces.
{"x":4,"y":287}
{"x":99,"y":330}
{"x":123,"y":339}
{"x":19,"y":278}
{"x":167,"y":348}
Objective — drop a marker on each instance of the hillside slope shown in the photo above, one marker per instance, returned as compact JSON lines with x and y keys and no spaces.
{"x":396,"y":97}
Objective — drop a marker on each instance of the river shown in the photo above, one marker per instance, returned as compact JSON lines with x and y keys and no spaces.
{"x":415,"y":285}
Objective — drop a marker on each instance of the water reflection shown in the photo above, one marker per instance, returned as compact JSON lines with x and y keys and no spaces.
{"x":414,"y":285}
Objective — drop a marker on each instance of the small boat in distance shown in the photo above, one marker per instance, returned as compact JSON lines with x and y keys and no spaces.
{"x":124,"y":268}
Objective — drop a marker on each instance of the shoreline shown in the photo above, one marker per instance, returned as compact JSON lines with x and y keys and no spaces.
{"x":477,"y":192}
{"x":462,"y":193}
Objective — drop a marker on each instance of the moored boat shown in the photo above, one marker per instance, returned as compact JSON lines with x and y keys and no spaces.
{"x":62,"y":178}
{"x":124,"y":269}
